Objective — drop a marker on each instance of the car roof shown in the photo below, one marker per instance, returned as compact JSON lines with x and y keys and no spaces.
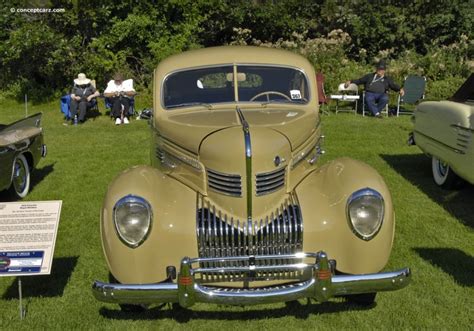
{"x":230,"y":55}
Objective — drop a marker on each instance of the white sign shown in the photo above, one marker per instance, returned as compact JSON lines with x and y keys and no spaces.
{"x":27,"y":237}
{"x":295,"y":94}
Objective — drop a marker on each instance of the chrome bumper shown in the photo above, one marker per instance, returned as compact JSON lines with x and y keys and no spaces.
{"x":321,"y":285}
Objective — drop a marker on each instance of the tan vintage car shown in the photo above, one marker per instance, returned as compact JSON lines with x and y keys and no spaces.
{"x":21,"y":148}
{"x":444,"y":130}
{"x":234,"y":209}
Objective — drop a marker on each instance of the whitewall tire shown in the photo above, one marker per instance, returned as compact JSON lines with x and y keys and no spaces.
{"x":443,"y":175}
{"x":21,"y":178}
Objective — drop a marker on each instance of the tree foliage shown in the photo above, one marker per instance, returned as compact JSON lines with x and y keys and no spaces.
{"x":40,"y":53}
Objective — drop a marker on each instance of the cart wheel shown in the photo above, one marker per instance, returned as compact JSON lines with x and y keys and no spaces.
{"x":21,"y":178}
{"x":443,"y":175}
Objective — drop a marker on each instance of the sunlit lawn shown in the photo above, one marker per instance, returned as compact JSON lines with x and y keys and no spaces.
{"x":434,"y":236}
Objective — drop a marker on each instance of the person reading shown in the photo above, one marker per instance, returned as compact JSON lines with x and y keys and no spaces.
{"x":120,"y":92}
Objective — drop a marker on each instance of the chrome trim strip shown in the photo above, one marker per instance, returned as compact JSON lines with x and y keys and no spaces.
{"x":224,"y":185}
{"x":224,"y":190}
{"x":269,"y":182}
{"x":228,"y":184}
{"x":462,"y":127}
{"x":269,"y":188}
{"x":441,"y":143}
{"x":248,"y":160}
{"x":271,"y":174}
{"x":225,"y":177}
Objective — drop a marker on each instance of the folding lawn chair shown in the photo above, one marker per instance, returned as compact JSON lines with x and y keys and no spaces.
{"x":131,"y":110}
{"x":349,"y":94}
{"x":414,"y":87}
{"x":65,"y":106}
{"x":364,"y":105}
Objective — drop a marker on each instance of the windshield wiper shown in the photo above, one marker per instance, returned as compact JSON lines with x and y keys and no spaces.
{"x":184,"y":104}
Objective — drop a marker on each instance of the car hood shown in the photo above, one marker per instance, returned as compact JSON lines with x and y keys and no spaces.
{"x":189,"y":129}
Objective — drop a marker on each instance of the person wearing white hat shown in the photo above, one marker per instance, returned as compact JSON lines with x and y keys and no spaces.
{"x":120,"y":92}
{"x":81,"y":97}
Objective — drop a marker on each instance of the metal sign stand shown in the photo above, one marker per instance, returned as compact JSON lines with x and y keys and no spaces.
{"x":22,"y":309}
{"x":26,"y":105}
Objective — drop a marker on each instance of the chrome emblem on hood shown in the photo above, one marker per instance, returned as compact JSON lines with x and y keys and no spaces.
{"x":278,"y":160}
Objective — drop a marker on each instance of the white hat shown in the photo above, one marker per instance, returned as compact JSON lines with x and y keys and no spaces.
{"x":82,"y":79}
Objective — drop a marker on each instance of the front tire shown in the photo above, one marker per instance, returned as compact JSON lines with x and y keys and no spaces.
{"x":21,"y":178}
{"x":443,"y":175}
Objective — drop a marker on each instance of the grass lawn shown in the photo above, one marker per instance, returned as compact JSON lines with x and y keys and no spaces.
{"x":434,"y":236}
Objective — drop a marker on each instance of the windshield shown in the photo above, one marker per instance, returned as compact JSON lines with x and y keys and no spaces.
{"x":256,"y":83}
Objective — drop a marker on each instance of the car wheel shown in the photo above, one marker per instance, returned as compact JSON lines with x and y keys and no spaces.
{"x":21,"y":178}
{"x":365,"y":299}
{"x":443,"y":175}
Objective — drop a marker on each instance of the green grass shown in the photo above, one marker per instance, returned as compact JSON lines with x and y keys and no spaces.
{"x":434,"y":236}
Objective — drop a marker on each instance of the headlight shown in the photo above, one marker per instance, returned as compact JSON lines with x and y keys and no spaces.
{"x":365,"y":211}
{"x":132,"y":217}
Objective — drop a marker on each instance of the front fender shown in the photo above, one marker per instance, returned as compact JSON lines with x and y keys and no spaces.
{"x":323,"y":197}
{"x":172,"y":233}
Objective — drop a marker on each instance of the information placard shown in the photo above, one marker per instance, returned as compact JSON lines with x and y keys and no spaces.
{"x":27,"y":237}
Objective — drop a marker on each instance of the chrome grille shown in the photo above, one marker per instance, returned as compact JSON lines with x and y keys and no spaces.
{"x":165,"y":158}
{"x":228,"y":184}
{"x":268,"y":182}
{"x":463,"y":140}
{"x":280,"y":232}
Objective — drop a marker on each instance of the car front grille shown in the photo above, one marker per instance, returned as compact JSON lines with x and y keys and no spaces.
{"x":269,"y":182}
{"x":280,"y":232}
{"x":228,"y":184}
{"x":231,"y":184}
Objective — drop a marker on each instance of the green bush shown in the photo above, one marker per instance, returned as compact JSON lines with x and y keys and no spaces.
{"x":40,"y":54}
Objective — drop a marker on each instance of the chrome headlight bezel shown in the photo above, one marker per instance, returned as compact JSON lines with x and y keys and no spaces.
{"x":357,"y":196}
{"x":133,"y":199}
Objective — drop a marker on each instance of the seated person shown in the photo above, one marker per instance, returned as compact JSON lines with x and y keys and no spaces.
{"x":119,"y":92}
{"x":376,"y":88}
{"x":81,"y":97}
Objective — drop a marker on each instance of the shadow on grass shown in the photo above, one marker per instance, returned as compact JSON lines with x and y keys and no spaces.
{"x":416,"y":168}
{"x":41,"y":173}
{"x":92,"y":114}
{"x":44,"y":285}
{"x":452,"y":261}
{"x":181,"y":315}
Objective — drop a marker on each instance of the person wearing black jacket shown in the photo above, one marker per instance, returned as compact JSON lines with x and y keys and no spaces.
{"x":376,"y":88}
{"x":81,"y":97}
